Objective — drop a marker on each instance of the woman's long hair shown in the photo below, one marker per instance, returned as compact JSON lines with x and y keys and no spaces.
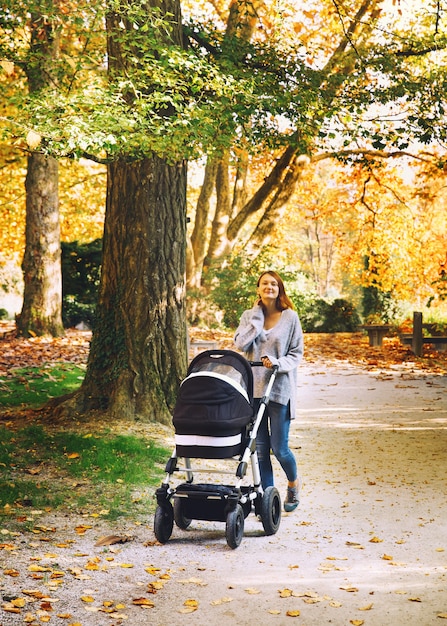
{"x":282,"y":301}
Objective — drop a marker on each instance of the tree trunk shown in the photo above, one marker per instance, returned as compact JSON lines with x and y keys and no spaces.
{"x":138,"y":354}
{"x":198,"y":242}
{"x":138,"y":351}
{"x":42,"y":301}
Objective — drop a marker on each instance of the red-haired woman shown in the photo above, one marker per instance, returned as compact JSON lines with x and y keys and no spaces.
{"x":271,"y":332}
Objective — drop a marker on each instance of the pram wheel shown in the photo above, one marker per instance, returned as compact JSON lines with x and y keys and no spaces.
{"x":234,"y":530}
{"x":179,"y":517}
{"x":163,"y":522}
{"x":271,"y":510}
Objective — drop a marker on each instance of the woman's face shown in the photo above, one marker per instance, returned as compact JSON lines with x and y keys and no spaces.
{"x":268,"y":288}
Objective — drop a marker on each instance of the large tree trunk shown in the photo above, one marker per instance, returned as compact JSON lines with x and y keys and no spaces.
{"x":138,"y":352}
{"x":42,"y":299}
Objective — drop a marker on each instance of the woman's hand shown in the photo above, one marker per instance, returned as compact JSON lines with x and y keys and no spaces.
{"x":266,"y":362}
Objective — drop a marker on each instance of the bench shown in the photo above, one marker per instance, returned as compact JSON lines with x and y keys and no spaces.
{"x":417,"y":339}
{"x":376,"y":333}
{"x":195,"y":347}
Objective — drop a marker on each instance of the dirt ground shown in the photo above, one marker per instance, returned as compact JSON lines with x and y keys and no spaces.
{"x":367,"y":545}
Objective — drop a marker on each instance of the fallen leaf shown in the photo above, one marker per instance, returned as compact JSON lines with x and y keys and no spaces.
{"x":252,"y":591}
{"x":293,"y":613}
{"x":143,"y":602}
{"x":87,"y":599}
{"x":221,"y":601}
{"x":11,"y":572}
{"x":111,"y":540}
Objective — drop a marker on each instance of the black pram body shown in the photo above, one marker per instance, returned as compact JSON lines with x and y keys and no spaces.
{"x":214,"y":406}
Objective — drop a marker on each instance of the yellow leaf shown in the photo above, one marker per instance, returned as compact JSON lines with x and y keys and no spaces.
{"x":8,"y":66}
{"x":274,"y":612}
{"x":18,"y":602}
{"x":356,"y":622}
{"x":38,"y":568}
{"x":87,"y":599}
{"x":10,"y":609}
{"x":367,"y":607}
{"x":81,"y":529}
{"x":252,"y":591}
{"x":92,"y":566}
{"x":442,"y":615}
{"x":387,"y":557}
{"x":221,"y":601}
{"x":120,"y":606}
{"x":349,"y":588}
{"x":415,"y":599}
{"x":63,"y":615}
{"x":285,"y":593}
{"x":191,"y":602}
{"x":144,"y":602}
{"x":11,"y":572}
{"x":293,"y":613}
{"x":127,"y":565}
{"x":375,"y":540}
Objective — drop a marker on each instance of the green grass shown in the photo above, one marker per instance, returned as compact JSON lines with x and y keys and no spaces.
{"x":110,"y":475}
{"x":32,"y":386}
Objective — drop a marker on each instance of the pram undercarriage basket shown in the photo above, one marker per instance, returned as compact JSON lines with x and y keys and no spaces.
{"x":214,"y":419}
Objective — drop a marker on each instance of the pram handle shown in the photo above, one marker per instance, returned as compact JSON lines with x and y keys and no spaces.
{"x":261,"y":364}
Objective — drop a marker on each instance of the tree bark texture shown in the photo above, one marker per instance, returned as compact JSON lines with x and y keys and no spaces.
{"x":42,"y":301}
{"x":138,"y":352}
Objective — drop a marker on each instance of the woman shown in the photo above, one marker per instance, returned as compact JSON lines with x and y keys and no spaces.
{"x":271,"y":332}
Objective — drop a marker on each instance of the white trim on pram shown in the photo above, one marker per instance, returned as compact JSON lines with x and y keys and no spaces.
{"x":203,"y":440}
{"x":228,"y":380}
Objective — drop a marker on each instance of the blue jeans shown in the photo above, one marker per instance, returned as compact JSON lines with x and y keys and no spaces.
{"x":273,"y":434}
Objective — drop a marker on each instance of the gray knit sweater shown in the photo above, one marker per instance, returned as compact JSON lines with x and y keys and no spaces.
{"x":283,"y":344}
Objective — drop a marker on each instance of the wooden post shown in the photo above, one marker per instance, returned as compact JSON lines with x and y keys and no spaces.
{"x":417,"y":333}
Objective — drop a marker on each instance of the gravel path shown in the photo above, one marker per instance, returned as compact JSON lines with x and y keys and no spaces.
{"x":368,"y":544}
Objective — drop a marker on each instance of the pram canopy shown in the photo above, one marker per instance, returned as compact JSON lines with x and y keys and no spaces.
{"x":214,"y":406}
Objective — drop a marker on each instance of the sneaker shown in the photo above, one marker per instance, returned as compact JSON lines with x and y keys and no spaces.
{"x":292,"y":499}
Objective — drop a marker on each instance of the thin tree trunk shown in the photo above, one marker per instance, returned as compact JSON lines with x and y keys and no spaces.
{"x":42,"y":301}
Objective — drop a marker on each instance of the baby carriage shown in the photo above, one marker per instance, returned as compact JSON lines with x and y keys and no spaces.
{"x":214,"y":419}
